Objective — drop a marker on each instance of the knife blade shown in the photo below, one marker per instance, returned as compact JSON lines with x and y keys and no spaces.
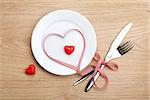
{"x":119,"y":38}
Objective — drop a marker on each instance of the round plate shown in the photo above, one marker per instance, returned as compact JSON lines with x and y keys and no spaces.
{"x":60,"y":21}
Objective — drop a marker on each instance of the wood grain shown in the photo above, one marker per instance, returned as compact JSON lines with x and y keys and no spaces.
{"x":17,"y":20}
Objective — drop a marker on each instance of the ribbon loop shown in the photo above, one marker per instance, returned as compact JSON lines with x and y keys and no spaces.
{"x":104,"y":76}
{"x":110,"y":65}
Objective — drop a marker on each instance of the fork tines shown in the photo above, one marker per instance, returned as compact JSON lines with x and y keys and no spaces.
{"x":125,"y":47}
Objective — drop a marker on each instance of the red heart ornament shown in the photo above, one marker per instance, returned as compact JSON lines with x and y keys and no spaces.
{"x":69,"y":49}
{"x":31,"y":69}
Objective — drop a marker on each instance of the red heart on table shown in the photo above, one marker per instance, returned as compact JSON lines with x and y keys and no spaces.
{"x":30,"y":70}
{"x":69,"y":49}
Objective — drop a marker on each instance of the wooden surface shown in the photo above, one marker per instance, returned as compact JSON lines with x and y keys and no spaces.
{"x":17,"y":20}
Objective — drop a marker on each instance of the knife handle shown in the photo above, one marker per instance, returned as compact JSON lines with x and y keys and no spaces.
{"x":92,"y":80}
{"x":89,"y":85}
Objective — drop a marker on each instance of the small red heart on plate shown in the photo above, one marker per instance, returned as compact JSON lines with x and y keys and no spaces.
{"x":69,"y":49}
{"x":30,"y":70}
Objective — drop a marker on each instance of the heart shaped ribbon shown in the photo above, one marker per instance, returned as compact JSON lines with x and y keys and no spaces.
{"x":76,"y":68}
{"x":89,"y":68}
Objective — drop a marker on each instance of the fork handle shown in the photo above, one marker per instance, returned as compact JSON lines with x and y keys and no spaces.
{"x":83,"y":77}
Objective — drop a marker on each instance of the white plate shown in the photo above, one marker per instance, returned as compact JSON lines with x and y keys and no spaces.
{"x":60,"y":21}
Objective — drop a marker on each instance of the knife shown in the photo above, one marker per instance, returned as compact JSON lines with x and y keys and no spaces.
{"x":117,"y":41}
{"x":127,"y":27}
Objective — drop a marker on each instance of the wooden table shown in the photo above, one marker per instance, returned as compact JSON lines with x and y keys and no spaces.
{"x":17,"y":20}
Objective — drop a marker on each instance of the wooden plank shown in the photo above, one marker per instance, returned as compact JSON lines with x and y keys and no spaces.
{"x":17,"y":20}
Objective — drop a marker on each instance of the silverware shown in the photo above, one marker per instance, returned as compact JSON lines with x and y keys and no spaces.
{"x":109,"y":56}
{"x":121,"y":50}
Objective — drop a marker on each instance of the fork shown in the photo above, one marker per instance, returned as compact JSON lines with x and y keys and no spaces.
{"x":121,"y":50}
